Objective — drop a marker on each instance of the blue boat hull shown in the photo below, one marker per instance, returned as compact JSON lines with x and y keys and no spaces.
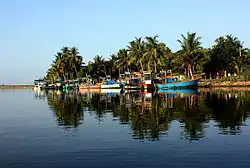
{"x":185,"y":84}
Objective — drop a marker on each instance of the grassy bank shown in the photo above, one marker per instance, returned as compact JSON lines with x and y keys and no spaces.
{"x":15,"y":86}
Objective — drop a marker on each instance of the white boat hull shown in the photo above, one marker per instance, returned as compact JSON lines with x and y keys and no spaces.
{"x":132,"y":87}
{"x":110,"y":90}
{"x":112,"y":86}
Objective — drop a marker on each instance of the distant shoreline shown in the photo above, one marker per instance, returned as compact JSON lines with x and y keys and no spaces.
{"x":15,"y":86}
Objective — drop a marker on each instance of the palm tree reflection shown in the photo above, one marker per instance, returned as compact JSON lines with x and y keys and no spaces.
{"x":229,"y":109}
{"x":150,"y":115}
{"x":68,"y":108}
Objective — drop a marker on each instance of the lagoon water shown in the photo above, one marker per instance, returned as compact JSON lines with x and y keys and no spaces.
{"x":187,"y":129}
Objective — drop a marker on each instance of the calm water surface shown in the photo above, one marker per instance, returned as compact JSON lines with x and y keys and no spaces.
{"x":186,"y":129}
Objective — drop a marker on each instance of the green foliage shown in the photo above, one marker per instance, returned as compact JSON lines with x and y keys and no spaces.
{"x":66,"y":65}
{"x":228,"y":54}
{"x":191,"y":50}
{"x":150,"y":54}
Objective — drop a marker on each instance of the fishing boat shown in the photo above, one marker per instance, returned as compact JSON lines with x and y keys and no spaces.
{"x":82,"y":91}
{"x":132,"y":82}
{"x":83,"y":87}
{"x":70,"y":84}
{"x":50,"y":86}
{"x":179,"y":84}
{"x":110,"y":84}
{"x":147,"y":81}
{"x":173,"y":82}
{"x":39,"y":84}
{"x":89,"y":86}
{"x":110,"y":90}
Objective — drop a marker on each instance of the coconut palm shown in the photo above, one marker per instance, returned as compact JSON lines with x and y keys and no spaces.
{"x":190,"y":52}
{"x":136,"y":49}
{"x":123,"y":60}
{"x":66,"y":65}
{"x":153,"y":53}
{"x":76,"y":61}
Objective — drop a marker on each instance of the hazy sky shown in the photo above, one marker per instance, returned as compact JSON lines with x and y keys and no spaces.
{"x":32,"y":31}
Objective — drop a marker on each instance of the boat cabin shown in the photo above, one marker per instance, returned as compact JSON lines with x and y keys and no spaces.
{"x":147,"y":77}
{"x":167,"y":77}
{"x":108,"y":81}
{"x":39,"y":82}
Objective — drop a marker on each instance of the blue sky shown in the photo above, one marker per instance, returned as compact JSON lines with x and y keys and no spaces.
{"x":32,"y":31}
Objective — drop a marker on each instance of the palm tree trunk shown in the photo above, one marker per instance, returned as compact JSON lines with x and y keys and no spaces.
{"x":155,"y":65}
{"x":190,"y":71}
{"x":76,"y":72}
{"x":105,"y":70}
{"x":141,"y":66}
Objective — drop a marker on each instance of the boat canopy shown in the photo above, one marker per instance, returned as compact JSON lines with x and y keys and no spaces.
{"x":38,"y":80}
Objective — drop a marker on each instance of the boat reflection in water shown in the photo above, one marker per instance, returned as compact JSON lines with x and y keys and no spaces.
{"x":151,"y":115}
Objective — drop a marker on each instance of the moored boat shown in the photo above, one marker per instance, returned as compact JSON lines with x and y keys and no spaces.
{"x":110,"y":90}
{"x":89,"y":87}
{"x":70,"y":84}
{"x":147,"y":81}
{"x":173,"y":82}
{"x":94,"y":87}
{"x":133,"y":84}
{"x":131,"y":81}
{"x":110,"y":84}
{"x":179,"y":84}
{"x":39,"y":84}
{"x":83,"y":87}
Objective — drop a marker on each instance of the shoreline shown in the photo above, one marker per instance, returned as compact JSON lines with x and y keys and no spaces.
{"x":15,"y":86}
{"x":202,"y":85}
{"x":227,"y":84}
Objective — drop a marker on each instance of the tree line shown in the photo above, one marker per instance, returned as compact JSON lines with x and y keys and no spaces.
{"x":150,"y":54}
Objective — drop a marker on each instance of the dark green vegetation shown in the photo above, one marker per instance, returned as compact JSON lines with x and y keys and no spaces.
{"x":227,"y":54}
{"x":152,"y":118}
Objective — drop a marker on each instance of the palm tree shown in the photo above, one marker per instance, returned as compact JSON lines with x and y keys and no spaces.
{"x":60,"y":64}
{"x":67,"y":64}
{"x":136,"y":50}
{"x":225,"y":55}
{"x":97,"y":67}
{"x":190,"y":50}
{"x":165,"y":56}
{"x":111,"y":64}
{"x":76,"y":60}
{"x":122,"y":61}
{"x":153,"y":53}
